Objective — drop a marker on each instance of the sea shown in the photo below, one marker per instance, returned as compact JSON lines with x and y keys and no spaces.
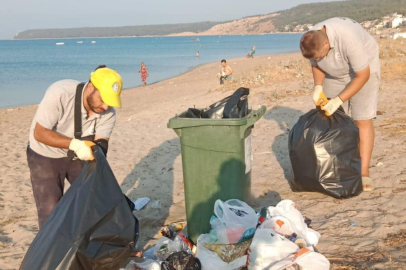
{"x":29,"y":67}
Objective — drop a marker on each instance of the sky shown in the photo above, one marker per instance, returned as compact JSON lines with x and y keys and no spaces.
{"x":19,"y":15}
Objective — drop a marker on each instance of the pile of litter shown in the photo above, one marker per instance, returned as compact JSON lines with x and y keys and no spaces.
{"x":275,"y":238}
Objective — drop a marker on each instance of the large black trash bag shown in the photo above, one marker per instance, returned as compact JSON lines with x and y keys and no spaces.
{"x":234,"y":106}
{"x":92,"y":227}
{"x":324,"y":154}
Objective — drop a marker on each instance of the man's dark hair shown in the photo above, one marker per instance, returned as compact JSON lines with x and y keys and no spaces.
{"x":100,"y":66}
{"x":311,"y":43}
{"x":223,"y":61}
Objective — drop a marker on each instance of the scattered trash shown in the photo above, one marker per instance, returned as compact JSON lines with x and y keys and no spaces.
{"x":181,"y":261}
{"x":379,"y":164}
{"x":154,"y":205}
{"x":231,"y":252}
{"x":352,"y":223}
{"x":149,"y":254}
{"x":211,"y":261}
{"x":165,"y":247}
{"x":141,"y":202}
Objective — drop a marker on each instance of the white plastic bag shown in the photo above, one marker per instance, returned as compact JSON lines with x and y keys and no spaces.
{"x":236,"y":221}
{"x":268,"y":247}
{"x":279,"y":224}
{"x":211,"y":261}
{"x":287,"y":209}
{"x":165,"y":247}
{"x":147,"y":265}
{"x":306,"y":259}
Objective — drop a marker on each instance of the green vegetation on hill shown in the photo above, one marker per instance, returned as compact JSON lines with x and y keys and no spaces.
{"x":124,"y":31}
{"x":359,"y":10}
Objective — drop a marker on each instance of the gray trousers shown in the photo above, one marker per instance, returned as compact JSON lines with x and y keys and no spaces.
{"x":48,"y":180}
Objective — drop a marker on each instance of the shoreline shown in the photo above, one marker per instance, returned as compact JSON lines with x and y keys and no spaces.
{"x":169,"y":35}
{"x":154,"y":83}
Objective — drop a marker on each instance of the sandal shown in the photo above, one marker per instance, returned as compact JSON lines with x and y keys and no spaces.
{"x":367,"y":183}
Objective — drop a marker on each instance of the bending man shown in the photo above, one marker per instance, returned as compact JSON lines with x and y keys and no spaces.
{"x":72,"y":116}
{"x":345,"y":65}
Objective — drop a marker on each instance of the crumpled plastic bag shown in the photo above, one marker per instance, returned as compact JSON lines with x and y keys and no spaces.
{"x":303,"y":260}
{"x":287,"y":209}
{"x":267,"y":248}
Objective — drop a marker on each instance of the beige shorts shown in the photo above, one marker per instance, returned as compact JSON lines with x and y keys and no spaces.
{"x":364,"y":104}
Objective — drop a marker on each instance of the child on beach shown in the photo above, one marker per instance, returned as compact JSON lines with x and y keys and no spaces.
{"x":144,"y":73}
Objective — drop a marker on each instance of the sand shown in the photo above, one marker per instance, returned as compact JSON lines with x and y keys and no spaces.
{"x":145,"y":157}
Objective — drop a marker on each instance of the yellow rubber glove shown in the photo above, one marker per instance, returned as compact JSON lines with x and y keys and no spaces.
{"x":82,"y":149}
{"x":332,"y":106}
{"x":319,"y":97}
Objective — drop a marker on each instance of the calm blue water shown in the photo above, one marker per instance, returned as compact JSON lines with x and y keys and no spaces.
{"x":28,"y":67}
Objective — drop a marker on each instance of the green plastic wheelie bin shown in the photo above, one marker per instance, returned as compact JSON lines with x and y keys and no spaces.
{"x":216,"y":160}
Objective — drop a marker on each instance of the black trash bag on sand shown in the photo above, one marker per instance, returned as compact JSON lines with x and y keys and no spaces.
{"x":92,"y":226}
{"x":234,"y":106}
{"x":325,"y":155}
{"x":181,"y":261}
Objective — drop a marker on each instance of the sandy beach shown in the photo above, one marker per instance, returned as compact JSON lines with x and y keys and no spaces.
{"x":145,"y":157}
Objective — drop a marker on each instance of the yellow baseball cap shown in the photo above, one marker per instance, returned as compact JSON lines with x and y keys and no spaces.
{"x":109,"y":84}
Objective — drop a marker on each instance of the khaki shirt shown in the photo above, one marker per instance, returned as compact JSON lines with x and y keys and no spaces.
{"x":352,"y":49}
{"x":56,"y":112}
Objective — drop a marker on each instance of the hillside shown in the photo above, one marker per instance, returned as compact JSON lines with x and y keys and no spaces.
{"x":359,"y":10}
{"x":124,"y":31}
{"x":283,"y":21}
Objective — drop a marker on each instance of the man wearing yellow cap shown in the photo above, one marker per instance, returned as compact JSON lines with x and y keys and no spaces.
{"x":71,"y":118}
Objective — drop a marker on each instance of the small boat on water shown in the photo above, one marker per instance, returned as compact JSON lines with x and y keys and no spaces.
{"x":60,"y":43}
{"x":192,"y":38}
{"x":93,"y":42}
{"x":80,"y":42}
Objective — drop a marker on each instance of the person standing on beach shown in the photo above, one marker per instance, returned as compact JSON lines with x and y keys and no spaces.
{"x":346,"y":67}
{"x":71,"y":118}
{"x":225,"y":72}
{"x":144,"y":73}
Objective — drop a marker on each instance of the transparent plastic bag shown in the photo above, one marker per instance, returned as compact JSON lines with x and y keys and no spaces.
{"x":235,"y":221}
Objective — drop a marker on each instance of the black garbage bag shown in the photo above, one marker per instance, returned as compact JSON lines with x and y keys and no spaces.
{"x":92,"y":226}
{"x":237,"y":104}
{"x":325,"y":155}
{"x":234,"y":106}
{"x":181,"y":261}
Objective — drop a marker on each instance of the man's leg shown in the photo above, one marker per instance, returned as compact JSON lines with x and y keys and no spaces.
{"x":47,"y":185}
{"x":366,"y":143}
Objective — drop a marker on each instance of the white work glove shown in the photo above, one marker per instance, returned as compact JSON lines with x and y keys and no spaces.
{"x":319,"y":97}
{"x":332,"y":106}
{"x":82,"y":149}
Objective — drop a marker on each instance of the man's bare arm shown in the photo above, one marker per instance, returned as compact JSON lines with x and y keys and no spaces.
{"x":50,"y":137}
